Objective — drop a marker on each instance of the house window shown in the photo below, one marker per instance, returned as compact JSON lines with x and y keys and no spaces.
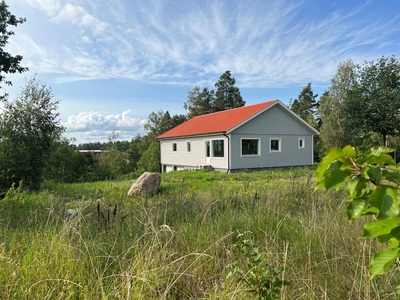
{"x":188,"y":146}
{"x":302,"y":143}
{"x":250,"y":146}
{"x":218,"y":148}
{"x":275,"y":145}
{"x":174,"y":147}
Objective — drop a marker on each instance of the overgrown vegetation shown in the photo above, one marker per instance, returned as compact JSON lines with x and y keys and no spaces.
{"x":180,"y":244}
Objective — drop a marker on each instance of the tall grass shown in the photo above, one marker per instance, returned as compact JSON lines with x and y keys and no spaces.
{"x":178,"y":244}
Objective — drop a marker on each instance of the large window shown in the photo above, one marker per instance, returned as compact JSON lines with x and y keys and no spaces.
{"x":250,"y":146}
{"x":218,"y":148}
{"x":275,"y":145}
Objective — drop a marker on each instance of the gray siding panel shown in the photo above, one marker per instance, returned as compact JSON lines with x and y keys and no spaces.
{"x":273,"y":123}
{"x":290,"y":154}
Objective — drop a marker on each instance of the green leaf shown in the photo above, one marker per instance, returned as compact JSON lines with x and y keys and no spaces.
{"x":357,"y":187}
{"x":375,"y":173}
{"x":380,"y":227}
{"x":335,"y":178}
{"x":393,"y":237}
{"x":386,"y":201}
{"x":349,"y":151}
{"x":355,"y":207}
{"x":392,"y":176}
{"x":382,"y":260}
{"x":378,"y":151}
{"x":332,"y":155}
{"x":383,"y":159}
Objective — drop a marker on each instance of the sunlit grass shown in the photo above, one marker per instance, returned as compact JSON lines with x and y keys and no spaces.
{"x":178,"y":244}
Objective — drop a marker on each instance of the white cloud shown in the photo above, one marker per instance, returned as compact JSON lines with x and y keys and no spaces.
{"x":267,"y":44}
{"x":78,"y":15}
{"x":49,"y":6}
{"x":94,"y":121}
{"x":86,"y":40}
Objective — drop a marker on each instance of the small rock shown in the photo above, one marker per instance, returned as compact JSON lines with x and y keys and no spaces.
{"x":71,"y":213}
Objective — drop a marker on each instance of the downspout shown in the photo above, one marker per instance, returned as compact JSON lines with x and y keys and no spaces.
{"x":229,"y":162}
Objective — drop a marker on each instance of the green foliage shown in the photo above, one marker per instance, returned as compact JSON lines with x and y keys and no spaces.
{"x":371,"y":180}
{"x":334,"y":133}
{"x":160,"y":122}
{"x":199,"y":102}
{"x":30,"y":127}
{"x":207,"y":101}
{"x":9,"y":63}
{"x":66,"y":165}
{"x":263,"y":279}
{"x":112,"y":164}
{"x":373,"y":103}
{"x":305,"y":105}
{"x":227,"y":95}
{"x":150,"y":159}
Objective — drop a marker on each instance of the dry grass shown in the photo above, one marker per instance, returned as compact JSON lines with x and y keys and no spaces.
{"x":178,"y":244}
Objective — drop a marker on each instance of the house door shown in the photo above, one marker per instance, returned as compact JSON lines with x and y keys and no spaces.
{"x":208,"y":152}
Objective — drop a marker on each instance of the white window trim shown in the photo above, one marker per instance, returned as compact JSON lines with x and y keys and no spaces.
{"x":190,"y":143}
{"x":174,"y":151}
{"x":250,"y":155}
{"x":304,"y":143}
{"x":280,"y":145}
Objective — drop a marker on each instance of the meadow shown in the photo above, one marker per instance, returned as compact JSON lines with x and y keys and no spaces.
{"x":180,"y":244}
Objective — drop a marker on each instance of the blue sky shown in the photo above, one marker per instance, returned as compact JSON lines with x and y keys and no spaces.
{"x":112,"y":63}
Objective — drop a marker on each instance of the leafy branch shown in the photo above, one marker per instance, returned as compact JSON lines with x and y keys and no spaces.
{"x":371,"y":181}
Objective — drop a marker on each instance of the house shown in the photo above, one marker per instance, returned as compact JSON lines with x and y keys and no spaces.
{"x":264,"y":135}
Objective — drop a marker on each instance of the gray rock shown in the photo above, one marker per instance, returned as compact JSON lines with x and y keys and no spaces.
{"x":71,"y":213}
{"x":147,"y":183}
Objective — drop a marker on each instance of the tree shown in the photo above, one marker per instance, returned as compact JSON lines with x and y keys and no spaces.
{"x":199,"y":103}
{"x":227,"y":95}
{"x":8,"y":62}
{"x":373,"y":104}
{"x":150,"y":159}
{"x":30,"y":128}
{"x":333,"y":130}
{"x":160,"y":122}
{"x":306,"y":104}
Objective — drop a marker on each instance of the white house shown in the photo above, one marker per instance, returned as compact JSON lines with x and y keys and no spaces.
{"x":264,"y":135}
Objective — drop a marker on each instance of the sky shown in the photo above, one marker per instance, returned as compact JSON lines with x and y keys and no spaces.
{"x":112,"y":63}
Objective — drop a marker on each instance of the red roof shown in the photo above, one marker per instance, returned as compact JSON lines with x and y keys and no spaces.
{"x":218,"y":122}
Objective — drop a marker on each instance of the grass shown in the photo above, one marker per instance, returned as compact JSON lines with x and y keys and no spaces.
{"x":178,"y":244}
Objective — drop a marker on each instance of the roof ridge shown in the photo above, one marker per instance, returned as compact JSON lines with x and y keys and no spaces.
{"x":230,"y":109}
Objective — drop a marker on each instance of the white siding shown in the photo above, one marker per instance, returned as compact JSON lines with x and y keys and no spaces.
{"x":196,"y":158}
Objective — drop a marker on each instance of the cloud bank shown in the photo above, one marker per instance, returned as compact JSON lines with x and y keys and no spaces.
{"x":93,"y":126}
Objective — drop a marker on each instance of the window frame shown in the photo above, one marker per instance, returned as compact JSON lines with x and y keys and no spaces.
{"x":258,"y":154}
{"x":302,"y":141}
{"x":174,"y":147}
{"x":279,"y":145}
{"x":189,"y":146}
{"x":213,"y":149}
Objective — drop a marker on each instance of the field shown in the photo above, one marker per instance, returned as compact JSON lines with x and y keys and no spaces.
{"x":182,"y":243}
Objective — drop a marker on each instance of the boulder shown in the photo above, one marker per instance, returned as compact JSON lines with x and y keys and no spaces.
{"x":147,"y":183}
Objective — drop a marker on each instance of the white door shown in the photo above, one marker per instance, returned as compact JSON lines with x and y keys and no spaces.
{"x":208,"y":152}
